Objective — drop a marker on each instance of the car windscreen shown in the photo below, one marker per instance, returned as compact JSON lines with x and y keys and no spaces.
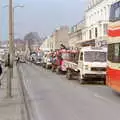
{"x":95,"y":56}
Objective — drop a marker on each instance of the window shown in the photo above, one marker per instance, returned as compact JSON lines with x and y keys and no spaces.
{"x":80,"y":36}
{"x":105,"y":11}
{"x":90,"y":34}
{"x":101,"y":12}
{"x":81,"y":56}
{"x":105,"y":28}
{"x":95,"y":56}
{"x":115,"y":12}
{"x":114,"y":52}
{"x":96,"y":32}
{"x":74,"y":57}
{"x":98,"y":14}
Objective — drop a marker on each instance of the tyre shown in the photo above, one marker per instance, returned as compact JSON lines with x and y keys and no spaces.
{"x":104,"y":81}
{"x":53,"y":69}
{"x":47,"y":67}
{"x":43,"y":65}
{"x":69,"y":75}
{"x":58,"y":70}
{"x":81,"y":79}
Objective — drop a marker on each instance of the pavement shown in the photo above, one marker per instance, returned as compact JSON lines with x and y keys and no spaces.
{"x":10,"y":107}
{"x":56,"y":98}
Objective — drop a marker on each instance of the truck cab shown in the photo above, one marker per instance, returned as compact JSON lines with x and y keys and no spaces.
{"x":92,"y":63}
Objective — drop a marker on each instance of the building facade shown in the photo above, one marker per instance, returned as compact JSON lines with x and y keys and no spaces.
{"x":96,"y":20}
{"x":58,"y":37}
{"x":61,"y":37}
{"x":75,"y":34}
{"x":45,"y":44}
{"x":92,"y":30}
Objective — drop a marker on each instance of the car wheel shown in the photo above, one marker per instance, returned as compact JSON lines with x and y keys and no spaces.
{"x":43,"y":65}
{"x":53,"y":69}
{"x":58,"y":70}
{"x":104,"y":81}
{"x":81,"y":80}
{"x":47,"y":67}
{"x":69,"y":75}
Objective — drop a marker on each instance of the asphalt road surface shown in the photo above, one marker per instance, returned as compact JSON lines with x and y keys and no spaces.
{"x":56,"y":98}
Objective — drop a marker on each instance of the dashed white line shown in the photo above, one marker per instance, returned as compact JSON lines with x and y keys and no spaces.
{"x":103,"y":98}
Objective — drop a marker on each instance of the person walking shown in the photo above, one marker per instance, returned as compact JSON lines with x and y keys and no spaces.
{"x":1,"y":71}
{"x":18,"y":59}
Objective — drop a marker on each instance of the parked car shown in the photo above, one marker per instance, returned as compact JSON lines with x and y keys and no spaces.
{"x":38,"y":62}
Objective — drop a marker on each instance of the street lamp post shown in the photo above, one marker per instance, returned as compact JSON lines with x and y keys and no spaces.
{"x":11,"y":48}
{"x":10,"y":55}
{"x":13,"y":11}
{"x":13,"y":7}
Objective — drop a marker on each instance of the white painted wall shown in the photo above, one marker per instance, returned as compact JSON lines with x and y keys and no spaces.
{"x":97,"y":15}
{"x":48,"y":44}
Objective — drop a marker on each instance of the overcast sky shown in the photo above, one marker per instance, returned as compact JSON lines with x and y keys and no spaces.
{"x":43,"y":16}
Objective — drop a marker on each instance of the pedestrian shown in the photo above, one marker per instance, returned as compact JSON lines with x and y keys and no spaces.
{"x":18,"y":59}
{"x":0,"y":69}
{"x":0,"y":72}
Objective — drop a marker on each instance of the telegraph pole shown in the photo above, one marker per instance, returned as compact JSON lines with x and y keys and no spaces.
{"x":10,"y":56}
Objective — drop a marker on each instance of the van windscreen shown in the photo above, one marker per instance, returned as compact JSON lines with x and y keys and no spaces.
{"x":95,"y":56}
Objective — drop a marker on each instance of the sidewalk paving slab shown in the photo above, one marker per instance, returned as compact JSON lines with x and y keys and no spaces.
{"x":10,"y":108}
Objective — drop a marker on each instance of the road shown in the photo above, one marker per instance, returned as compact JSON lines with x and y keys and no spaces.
{"x":56,"y":98}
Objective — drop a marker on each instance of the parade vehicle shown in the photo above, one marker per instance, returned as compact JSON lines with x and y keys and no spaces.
{"x":59,"y":58}
{"x":113,"y":69}
{"x":91,"y":63}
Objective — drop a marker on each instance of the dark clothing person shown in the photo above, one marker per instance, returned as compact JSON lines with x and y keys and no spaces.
{"x":0,"y":72}
{"x":0,"y":69}
{"x":7,"y":61}
{"x":18,"y":60}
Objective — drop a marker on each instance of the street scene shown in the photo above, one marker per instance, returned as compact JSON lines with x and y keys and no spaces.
{"x":60,"y":69}
{"x":57,"y":98}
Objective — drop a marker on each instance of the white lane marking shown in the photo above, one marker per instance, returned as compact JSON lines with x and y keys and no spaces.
{"x":103,"y":98}
{"x":100,"y":97}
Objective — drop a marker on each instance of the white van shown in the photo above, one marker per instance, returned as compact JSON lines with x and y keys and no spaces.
{"x":92,"y":63}
{"x":47,"y":60}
